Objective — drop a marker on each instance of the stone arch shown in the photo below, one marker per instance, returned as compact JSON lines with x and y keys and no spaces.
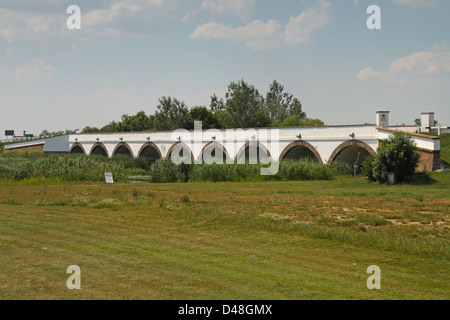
{"x":246,"y":148}
{"x":214,"y":144}
{"x":77,"y":148}
{"x":176,"y":147}
{"x":347,"y":152}
{"x":123,"y":149}
{"x":300,"y":150}
{"x":150,"y":152}
{"x":99,"y":149}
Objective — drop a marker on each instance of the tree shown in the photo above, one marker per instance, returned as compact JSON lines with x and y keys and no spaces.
{"x":245,"y":107}
{"x":110,"y":127}
{"x":136,"y":123}
{"x":397,"y":154}
{"x":204,"y":115}
{"x":296,"y":121}
{"x":282,"y":105}
{"x":216,"y":104}
{"x":89,"y":129}
{"x":172,"y":114}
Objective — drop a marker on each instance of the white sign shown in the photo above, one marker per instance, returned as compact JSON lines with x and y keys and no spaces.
{"x":109,"y":178}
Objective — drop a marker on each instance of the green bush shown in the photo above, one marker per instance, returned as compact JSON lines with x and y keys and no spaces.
{"x":367,"y":167}
{"x":165,"y":171}
{"x":397,"y":154}
{"x":304,"y":170}
{"x":20,"y":166}
{"x":288,"y":170}
{"x":341,"y":169}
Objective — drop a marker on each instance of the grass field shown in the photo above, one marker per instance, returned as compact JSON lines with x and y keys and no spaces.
{"x":262,"y":240}
{"x":445,"y":149}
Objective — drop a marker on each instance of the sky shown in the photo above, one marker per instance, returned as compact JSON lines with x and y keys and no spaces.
{"x":128,"y":54}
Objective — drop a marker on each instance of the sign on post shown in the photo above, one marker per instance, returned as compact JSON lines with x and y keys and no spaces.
{"x":9,"y":133}
{"x":109,"y":178}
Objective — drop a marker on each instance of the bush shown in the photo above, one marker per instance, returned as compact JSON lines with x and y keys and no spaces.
{"x":288,"y":170}
{"x":165,"y":171}
{"x":20,"y":166}
{"x":397,"y":154}
{"x":341,"y":169}
{"x":304,"y":170}
{"x":367,"y":167}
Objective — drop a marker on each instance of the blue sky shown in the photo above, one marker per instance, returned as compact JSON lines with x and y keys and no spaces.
{"x":130,"y":53}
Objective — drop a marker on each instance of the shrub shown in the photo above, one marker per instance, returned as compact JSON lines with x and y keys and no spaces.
{"x":397,"y":154}
{"x":20,"y":166}
{"x":165,"y":171}
{"x":341,"y":169}
{"x":367,"y":167}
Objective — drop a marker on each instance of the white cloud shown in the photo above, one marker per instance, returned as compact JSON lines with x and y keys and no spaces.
{"x":29,"y":26}
{"x":419,"y":67}
{"x":116,"y":10}
{"x":412,"y":3}
{"x":260,"y":35}
{"x":37,"y":69}
{"x":220,"y":8}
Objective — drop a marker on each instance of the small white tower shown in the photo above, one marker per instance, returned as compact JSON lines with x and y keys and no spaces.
{"x":427,"y":121}
{"x":383,"y":119}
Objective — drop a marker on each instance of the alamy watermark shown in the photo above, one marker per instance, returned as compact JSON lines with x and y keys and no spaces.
{"x":374,"y":281}
{"x":255,"y":147}
{"x":74,"y":281}
{"x":74,"y":20}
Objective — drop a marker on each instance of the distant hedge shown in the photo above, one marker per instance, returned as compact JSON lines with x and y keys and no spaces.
{"x":68,"y":167}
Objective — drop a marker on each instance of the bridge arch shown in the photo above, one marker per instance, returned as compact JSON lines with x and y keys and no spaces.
{"x":209,"y":152}
{"x":182,"y":150}
{"x":99,"y":149}
{"x":77,"y":148}
{"x":123,"y":149}
{"x":150,"y":152}
{"x":261,"y":150}
{"x":348,"y":151}
{"x":299,"y":150}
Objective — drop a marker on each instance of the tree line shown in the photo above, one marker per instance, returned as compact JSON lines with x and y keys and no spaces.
{"x":242,"y":107}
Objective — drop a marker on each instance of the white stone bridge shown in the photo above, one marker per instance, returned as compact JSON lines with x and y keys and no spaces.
{"x":348,"y":143}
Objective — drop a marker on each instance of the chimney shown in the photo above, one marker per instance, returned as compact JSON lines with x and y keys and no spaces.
{"x":383,"y":119}
{"x":427,"y":121}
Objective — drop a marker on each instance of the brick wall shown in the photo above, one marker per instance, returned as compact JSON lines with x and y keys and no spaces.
{"x":429,"y":160}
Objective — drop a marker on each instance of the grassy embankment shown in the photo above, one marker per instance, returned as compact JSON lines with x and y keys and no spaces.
{"x":260,"y":240}
{"x":247,"y":240}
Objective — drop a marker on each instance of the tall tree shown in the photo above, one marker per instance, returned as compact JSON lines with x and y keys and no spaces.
{"x":172,"y":114}
{"x":281,"y":104}
{"x":204,"y":115}
{"x":216,"y":104}
{"x":245,"y":106}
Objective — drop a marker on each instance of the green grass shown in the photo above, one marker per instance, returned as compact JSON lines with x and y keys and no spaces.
{"x":445,"y":149}
{"x":248,"y":240}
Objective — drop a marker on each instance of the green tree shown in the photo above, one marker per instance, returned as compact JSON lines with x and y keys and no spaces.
{"x":172,"y":114}
{"x":89,"y":129}
{"x":111,"y":127}
{"x":135,"y":123}
{"x":203,"y":114}
{"x":397,"y":154}
{"x":296,"y":121}
{"x":245,"y":107}
{"x":216,"y":104}
{"x":281,"y":104}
